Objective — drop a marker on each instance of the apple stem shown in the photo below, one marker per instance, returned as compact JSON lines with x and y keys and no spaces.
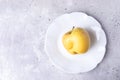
{"x":73,"y":27}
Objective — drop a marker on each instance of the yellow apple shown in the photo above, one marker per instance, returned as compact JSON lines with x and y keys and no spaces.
{"x":76,"y":41}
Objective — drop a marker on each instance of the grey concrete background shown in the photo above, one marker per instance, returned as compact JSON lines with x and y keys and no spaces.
{"x":23,"y":25}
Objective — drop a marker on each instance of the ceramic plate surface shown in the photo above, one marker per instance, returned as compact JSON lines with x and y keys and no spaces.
{"x":59,"y":55}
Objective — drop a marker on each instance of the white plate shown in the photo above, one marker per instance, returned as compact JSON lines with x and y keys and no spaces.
{"x":75,"y":63}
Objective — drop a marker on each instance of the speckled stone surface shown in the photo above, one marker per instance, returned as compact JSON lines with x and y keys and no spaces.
{"x":23,"y":25}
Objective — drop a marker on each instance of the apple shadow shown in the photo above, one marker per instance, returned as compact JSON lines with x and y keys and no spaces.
{"x":92,"y":35}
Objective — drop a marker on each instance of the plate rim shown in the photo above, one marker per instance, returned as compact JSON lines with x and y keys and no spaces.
{"x":57,"y":66}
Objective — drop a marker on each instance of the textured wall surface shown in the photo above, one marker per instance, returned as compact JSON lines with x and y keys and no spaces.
{"x":23,"y":25}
